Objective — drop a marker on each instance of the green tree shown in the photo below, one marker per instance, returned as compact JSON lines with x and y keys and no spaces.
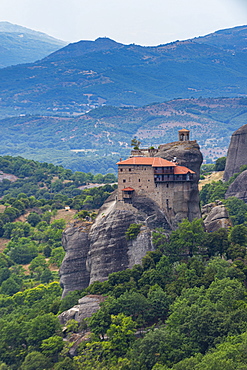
{"x":135,"y":143}
{"x":188,"y":237}
{"x":35,"y":361}
{"x":42,"y":327}
{"x":33,"y":219}
{"x":120,"y":334}
{"x":57,"y":256}
{"x":220,"y":164}
{"x":237,"y":210}
{"x":52,"y":346}
{"x":10,"y":286}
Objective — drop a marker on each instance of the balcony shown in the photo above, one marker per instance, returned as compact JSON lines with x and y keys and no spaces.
{"x":173,"y":178}
{"x":164,"y":171}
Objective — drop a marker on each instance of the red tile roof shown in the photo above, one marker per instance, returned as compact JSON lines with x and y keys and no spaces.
{"x":181,"y":170}
{"x":155,"y":162}
{"x":128,"y":189}
{"x":183,"y":130}
{"x":148,"y":161}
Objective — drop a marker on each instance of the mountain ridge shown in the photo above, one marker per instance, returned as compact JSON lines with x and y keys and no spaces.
{"x":88,"y":74}
{"x":23,"y":45}
{"x":96,"y":140}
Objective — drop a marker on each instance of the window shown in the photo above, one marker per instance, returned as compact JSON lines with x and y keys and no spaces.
{"x":139,"y":180}
{"x":121,"y":170}
{"x":167,"y":185}
{"x":124,"y":180}
{"x":129,"y":169}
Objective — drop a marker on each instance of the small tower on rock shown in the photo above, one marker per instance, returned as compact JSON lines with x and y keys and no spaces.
{"x":184,"y":135}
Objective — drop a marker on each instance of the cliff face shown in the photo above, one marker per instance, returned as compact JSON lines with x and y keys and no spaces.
{"x":187,"y":153}
{"x":238,"y":188}
{"x":237,"y":153}
{"x":92,"y":253}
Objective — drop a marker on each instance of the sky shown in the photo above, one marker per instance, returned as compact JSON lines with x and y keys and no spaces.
{"x":143,"y":22}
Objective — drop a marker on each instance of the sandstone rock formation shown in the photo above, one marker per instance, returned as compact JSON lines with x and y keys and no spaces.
{"x":238,"y":188}
{"x":187,"y":153}
{"x":86,"y":307}
{"x":215,"y":216}
{"x":92,"y":253}
{"x":237,"y":153}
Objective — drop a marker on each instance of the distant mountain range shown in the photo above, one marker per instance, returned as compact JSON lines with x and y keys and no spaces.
{"x":47,"y":107}
{"x":95,"y":141}
{"x":23,"y":45}
{"x":87,"y":74}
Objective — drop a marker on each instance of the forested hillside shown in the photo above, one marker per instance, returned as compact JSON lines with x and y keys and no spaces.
{"x":95,"y":141}
{"x":184,"y":307}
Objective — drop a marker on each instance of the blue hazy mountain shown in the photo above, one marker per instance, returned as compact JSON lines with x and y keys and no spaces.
{"x":87,"y":74}
{"x":22,"y":45}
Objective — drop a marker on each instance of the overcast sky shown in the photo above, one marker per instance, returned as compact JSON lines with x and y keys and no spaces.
{"x":144,"y":22}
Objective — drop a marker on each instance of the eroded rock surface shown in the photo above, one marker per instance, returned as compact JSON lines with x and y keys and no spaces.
{"x":188,"y":154}
{"x":93,"y":253}
{"x":215,"y":216}
{"x":238,"y":188}
{"x":73,"y":274}
{"x":86,"y":307}
{"x":237,"y":153}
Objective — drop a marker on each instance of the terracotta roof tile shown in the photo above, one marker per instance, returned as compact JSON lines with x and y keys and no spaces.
{"x":148,"y":161}
{"x":128,"y":189}
{"x":181,"y":170}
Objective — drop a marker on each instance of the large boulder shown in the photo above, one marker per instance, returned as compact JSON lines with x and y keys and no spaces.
{"x":86,"y":307}
{"x":238,"y":188}
{"x":237,"y":153}
{"x":215,"y":216}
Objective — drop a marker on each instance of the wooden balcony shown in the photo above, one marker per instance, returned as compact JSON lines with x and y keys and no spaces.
{"x":173,"y":178}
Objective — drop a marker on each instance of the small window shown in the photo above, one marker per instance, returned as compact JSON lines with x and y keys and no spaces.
{"x":121,"y":170}
{"x":139,"y":180}
{"x":124,"y":180}
{"x":156,"y":185}
{"x":129,"y":169}
{"x":167,"y":185}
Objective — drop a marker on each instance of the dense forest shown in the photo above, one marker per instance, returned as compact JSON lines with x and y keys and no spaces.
{"x":183,"y":308}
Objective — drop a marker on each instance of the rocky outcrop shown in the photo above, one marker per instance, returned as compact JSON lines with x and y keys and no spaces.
{"x":237,"y":153}
{"x":73,"y":274}
{"x":92,"y":253}
{"x":238,"y":188}
{"x":86,"y":307}
{"x":188,"y":154}
{"x":215,"y":216}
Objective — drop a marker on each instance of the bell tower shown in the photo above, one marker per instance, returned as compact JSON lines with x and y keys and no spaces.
{"x":184,"y":135}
